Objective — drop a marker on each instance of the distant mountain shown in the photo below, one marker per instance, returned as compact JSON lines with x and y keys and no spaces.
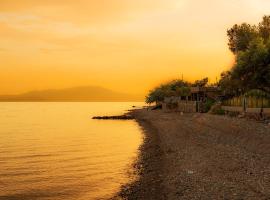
{"x":88,"y":93}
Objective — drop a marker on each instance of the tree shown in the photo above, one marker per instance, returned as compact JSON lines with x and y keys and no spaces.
{"x":158,"y":94}
{"x":240,"y":36}
{"x":252,"y":66}
{"x":229,"y":86}
{"x":251,"y":46}
{"x":172,"y":88}
{"x":201,"y":83}
{"x":264,"y":28}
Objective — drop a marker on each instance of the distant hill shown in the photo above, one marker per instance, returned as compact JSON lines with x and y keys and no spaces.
{"x":88,"y":93}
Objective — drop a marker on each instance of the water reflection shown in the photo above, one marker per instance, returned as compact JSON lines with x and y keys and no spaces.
{"x":56,"y":151}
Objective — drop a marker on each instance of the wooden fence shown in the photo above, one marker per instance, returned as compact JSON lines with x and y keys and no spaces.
{"x":247,"y":104}
{"x":178,"y":105}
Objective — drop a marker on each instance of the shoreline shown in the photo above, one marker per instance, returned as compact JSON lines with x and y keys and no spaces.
{"x":200,"y":156}
{"x":148,"y":167}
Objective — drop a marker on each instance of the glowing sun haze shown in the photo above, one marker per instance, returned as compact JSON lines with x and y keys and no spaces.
{"x":123,"y":45}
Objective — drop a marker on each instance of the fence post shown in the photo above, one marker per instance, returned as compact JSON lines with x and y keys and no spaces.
{"x":245,"y":105}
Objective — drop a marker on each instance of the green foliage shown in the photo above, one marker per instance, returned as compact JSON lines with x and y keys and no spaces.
{"x":264,"y":28}
{"x":251,"y":45}
{"x":230,"y":86}
{"x":172,"y":88}
{"x":158,"y":94}
{"x":182,"y":91}
{"x":252,"y":66}
{"x":208,"y":104}
{"x":201,"y":83}
{"x":240,"y":35}
{"x":219,"y":112}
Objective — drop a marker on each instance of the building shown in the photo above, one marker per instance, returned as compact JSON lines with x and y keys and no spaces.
{"x":192,"y":103}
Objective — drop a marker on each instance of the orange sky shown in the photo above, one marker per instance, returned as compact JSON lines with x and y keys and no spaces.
{"x":124,"y":45}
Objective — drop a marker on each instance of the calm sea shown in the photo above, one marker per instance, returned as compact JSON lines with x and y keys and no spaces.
{"x":53,"y":151}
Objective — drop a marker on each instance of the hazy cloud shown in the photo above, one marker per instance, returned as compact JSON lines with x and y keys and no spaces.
{"x":110,"y":42}
{"x":53,"y":50}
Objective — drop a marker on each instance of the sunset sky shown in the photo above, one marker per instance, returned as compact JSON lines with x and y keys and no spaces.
{"x":123,"y":45}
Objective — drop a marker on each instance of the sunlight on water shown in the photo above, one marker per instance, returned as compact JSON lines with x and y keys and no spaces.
{"x":56,"y":151}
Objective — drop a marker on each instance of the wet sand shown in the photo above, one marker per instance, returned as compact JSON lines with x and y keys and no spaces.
{"x":201,"y":156}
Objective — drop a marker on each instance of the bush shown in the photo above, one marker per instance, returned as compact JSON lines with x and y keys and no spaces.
{"x":219,"y":112}
{"x":208,"y":104}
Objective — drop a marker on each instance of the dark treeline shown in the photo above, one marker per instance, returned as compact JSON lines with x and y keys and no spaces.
{"x":251,"y":71}
{"x":173,"y":88}
{"x":251,"y":47}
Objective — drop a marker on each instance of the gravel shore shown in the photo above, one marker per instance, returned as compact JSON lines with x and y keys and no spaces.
{"x":201,"y":156}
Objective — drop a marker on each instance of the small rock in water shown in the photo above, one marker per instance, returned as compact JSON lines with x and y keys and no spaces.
{"x":121,"y":117}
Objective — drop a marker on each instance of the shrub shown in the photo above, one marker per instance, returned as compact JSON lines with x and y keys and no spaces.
{"x":208,"y":104}
{"x":219,"y":112}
